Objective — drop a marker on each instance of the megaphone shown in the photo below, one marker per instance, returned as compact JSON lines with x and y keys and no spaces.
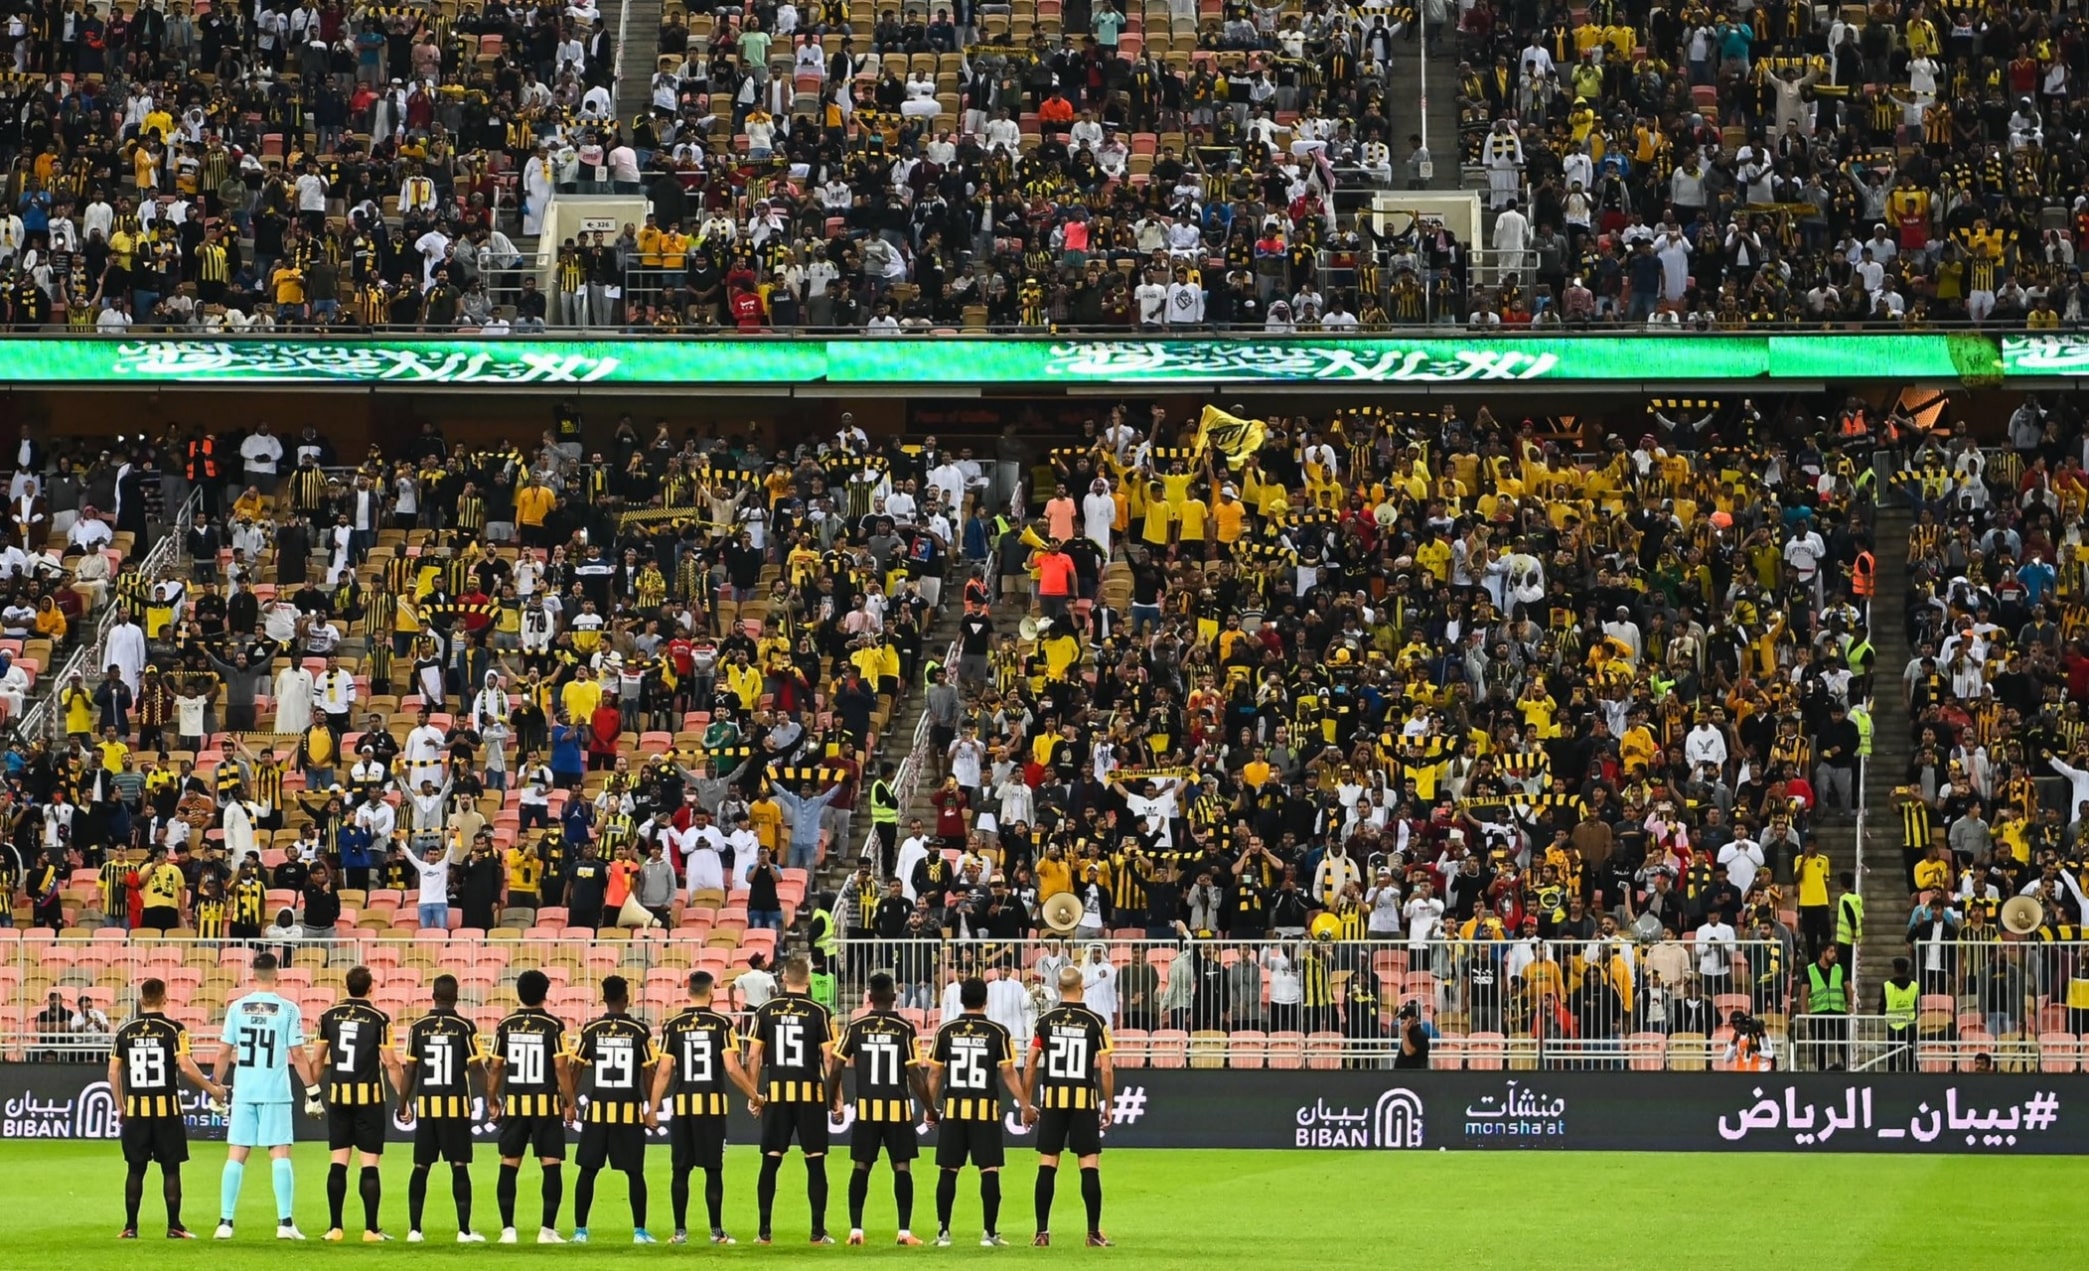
{"x":2021,"y":915}
{"x":1029,"y":628}
{"x":1031,"y":539}
{"x":1061,"y":913}
{"x":1326,"y":927}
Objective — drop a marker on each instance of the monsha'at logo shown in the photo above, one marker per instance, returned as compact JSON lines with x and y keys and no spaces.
{"x":1395,"y":1121}
{"x":90,"y":1115}
{"x":1517,"y":1113}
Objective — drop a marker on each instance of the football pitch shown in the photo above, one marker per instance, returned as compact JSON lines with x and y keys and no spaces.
{"x":1209,"y":1210}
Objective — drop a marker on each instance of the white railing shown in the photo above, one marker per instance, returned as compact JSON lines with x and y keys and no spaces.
{"x":42,"y":717}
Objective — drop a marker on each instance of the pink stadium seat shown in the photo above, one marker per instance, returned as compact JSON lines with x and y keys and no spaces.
{"x":1131,"y":1044}
{"x":2058,"y":1052}
{"x":1324,"y":1050}
{"x":1486,"y":1052}
{"x":1248,"y":1048}
{"x":1287,"y":1050}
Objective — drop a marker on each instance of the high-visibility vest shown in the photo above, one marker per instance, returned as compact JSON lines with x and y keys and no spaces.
{"x":1826,"y":996}
{"x":1900,"y":1004}
{"x":1849,"y":918}
{"x":884,"y":805}
{"x":1864,"y":575}
{"x":825,"y":936}
{"x":202,"y":459}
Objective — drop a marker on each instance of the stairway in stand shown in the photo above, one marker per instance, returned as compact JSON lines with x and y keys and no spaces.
{"x":1404,"y":115}
{"x":1886,"y":892}
{"x":894,"y":745}
{"x":641,"y":58}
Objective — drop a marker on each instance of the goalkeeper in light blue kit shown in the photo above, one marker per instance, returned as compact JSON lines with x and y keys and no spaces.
{"x":264,"y":1043}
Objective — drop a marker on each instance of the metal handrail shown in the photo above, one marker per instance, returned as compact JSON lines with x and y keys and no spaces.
{"x":42,"y":718}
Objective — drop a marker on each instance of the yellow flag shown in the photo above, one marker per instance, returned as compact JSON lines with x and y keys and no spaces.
{"x":1232,"y":437}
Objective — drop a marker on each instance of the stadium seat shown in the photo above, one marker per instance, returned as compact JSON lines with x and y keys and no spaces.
{"x":1169,"y":1048}
{"x":2058,"y":1052}
{"x":1287,"y":1050}
{"x":1207,"y":1049}
{"x":1247,"y":1048}
{"x":1485,"y":1052}
{"x":1687,"y":1052}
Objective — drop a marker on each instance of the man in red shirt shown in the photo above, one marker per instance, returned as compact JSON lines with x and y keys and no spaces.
{"x":1055,"y":581}
{"x":747,"y":310}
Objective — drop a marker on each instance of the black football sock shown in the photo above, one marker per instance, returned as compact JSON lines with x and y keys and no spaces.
{"x":504,"y":1192}
{"x":859,"y":1191}
{"x":637,"y":1179}
{"x":170,"y":1187}
{"x":1047,"y":1180}
{"x":714,"y":1196}
{"x":816,"y":1192}
{"x":554,"y":1193}
{"x":133,"y":1195}
{"x":765,"y":1190}
{"x":584,"y":1197}
{"x":1092,"y":1198}
{"x":903,"y":1196}
{"x":678,"y":1198}
{"x":416,"y":1196}
{"x":372,"y":1187}
{"x":336,"y":1193}
{"x":946,"y":1198}
{"x":990,"y":1198}
{"x":460,"y":1191}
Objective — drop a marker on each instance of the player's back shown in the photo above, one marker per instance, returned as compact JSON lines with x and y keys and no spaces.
{"x":971,"y":1049}
{"x":263,"y":1029}
{"x":794,"y":1032}
{"x":616,"y":1050}
{"x":529,"y":1043}
{"x":880,"y":1048}
{"x":698,"y":1040}
{"x":150,"y":1048}
{"x":442,"y":1046}
{"x":356,"y":1035}
{"x":1071,"y":1041}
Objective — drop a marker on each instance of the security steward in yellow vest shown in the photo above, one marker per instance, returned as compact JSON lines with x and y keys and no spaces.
{"x":1899,"y":997}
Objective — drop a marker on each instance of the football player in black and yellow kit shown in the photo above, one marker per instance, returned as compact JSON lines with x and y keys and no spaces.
{"x":148,"y":1057}
{"x":881,"y":1048}
{"x":699,"y":1069}
{"x":969,"y":1051}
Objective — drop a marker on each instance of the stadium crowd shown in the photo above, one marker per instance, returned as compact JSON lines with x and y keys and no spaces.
{"x":1728,"y":166}
{"x":1994,"y":621}
{"x":1081,"y":164}
{"x":1385,"y":706}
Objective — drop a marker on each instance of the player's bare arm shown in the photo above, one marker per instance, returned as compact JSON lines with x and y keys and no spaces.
{"x":409,"y":1078}
{"x":754,"y":1077}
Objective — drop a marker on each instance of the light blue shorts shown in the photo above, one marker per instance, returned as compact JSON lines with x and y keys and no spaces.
{"x":260,"y":1125}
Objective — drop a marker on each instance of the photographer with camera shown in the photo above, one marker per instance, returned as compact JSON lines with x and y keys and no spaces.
{"x":1750,"y":1049}
{"x":1414,"y":1037}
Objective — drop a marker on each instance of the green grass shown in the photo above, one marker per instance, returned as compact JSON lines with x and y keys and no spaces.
{"x":1207,"y":1210}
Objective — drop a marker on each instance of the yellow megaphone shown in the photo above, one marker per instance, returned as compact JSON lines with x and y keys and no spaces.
{"x":1031,"y":539}
{"x":1326,"y":927}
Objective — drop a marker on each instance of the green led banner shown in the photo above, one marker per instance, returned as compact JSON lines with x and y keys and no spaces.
{"x":406,"y":363}
{"x":2034,"y":356}
{"x":1365,"y":361}
{"x":1638,"y":359}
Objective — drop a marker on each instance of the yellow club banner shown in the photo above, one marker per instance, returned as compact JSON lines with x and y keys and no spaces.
{"x":1231,"y":436}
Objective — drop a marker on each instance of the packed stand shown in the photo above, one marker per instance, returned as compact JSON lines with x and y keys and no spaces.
{"x":1990,"y":807}
{"x":1777,"y":164}
{"x":1404,"y":708}
{"x":626,"y":687}
{"x":217,"y":170}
